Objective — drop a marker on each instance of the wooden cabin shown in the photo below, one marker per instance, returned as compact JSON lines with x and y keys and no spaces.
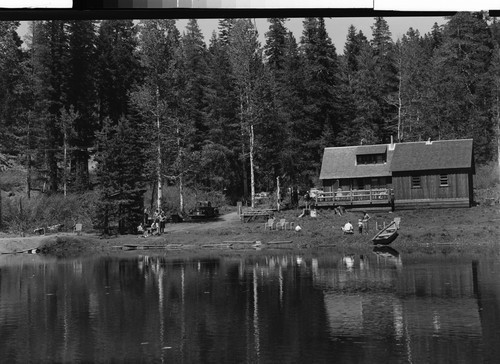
{"x":433,"y":174}
{"x":399,"y":175}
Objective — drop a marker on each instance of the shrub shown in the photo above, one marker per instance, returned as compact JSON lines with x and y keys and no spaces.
{"x":23,"y":215}
{"x":487,"y":176}
{"x":171,"y":199}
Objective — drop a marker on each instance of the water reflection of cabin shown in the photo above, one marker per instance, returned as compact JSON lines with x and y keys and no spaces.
{"x":400,"y":175}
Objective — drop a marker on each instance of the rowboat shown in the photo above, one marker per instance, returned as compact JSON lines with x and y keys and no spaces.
{"x":387,"y":235}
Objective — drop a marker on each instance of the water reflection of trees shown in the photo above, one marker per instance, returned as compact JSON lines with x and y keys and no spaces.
{"x":244,"y":308}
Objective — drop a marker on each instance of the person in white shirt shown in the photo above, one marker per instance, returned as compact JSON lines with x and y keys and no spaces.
{"x":348,"y":228}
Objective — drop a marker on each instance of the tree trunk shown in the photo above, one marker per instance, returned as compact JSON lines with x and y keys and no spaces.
{"x":81,"y":169}
{"x":159,"y":160}
{"x":252,"y":178}
{"x":179,"y":151}
{"x":65,"y":161}
{"x":243,"y":158}
{"x":181,"y":194}
{"x":400,"y":106}
{"x":28,"y":162}
{"x":498,"y":134}
{"x":278,"y":193}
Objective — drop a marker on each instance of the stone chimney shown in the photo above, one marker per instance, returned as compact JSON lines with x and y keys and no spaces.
{"x":392,"y":145}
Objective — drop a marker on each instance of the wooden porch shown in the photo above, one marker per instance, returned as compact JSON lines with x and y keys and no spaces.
{"x":379,"y":196}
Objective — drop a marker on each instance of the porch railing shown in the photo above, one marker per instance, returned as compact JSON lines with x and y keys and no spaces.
{"x":375,"y":195}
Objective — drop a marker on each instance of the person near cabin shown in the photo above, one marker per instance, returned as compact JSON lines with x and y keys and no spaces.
{"x":348,"y":228}
{"x":360,"y":226}
{"x":154,"y":228}
{"x":365,"y":219}
{"x":307,"y":199}
{"x":163,"y":218}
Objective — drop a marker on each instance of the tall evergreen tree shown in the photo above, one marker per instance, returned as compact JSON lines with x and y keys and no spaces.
{"x":320,"y":94}
{"x":193,"y":72}
{"x":413,"y":78}
{"x":246,"y":61}
{"x":11,"y":57}
{"x":276,"y":44}
{"x":354,"y":42}
{"x":280,"y":95}
{"x":121,"y":184}
{"x":82,"y":96}
{"x":155,"y":98}
{"x":50,"y":61}
{"x":221,"y":166}
{"x":118,"y":69}
{"x":385,"y":77}
{"x":495,"y":77}
{"x":462,"y":83}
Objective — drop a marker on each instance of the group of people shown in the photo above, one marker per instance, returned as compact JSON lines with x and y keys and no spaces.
{"x":362,"y":225}
{"x":157,"y":226}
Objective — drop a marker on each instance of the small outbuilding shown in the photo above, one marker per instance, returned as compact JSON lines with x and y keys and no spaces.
{"x":399,"y":175}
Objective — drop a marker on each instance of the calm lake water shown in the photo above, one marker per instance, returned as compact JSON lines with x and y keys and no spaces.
{"x":319,"y":306}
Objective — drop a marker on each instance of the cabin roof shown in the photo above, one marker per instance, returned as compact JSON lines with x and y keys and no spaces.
{"x":443,"y":154}
{"x":341,"y":162}
{"x":371,"y":149}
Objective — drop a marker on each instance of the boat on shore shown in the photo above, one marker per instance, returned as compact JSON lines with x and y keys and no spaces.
{"x":387,"y":235}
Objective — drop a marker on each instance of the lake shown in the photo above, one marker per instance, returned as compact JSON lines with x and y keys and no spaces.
{"x":282,"y":306}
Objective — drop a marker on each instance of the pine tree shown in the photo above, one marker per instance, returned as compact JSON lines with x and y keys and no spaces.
{"x":495,"y":77}
{"x":49,"y":63}
{"x":462,"y":85}
{"x":11,"y":57}
{"x":120,"y":162}
{"x":276,"y":44}
{"x":281,"y":60}
{"x":354,"y":42}
{"x":156,"y":99}
{"x":118,"y":69}
{"x":385,"y":77}
{"x":245,"y":60}
{"x":413,"y":77}
{"x":320,"y":122}
{"x":82,"y":96}
{"x":193,"y":73}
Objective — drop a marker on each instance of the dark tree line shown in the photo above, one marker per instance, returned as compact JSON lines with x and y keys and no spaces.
{"x":155,"y":106}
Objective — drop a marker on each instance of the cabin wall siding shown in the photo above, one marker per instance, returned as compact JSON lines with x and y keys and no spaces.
{"x":458,"y":186}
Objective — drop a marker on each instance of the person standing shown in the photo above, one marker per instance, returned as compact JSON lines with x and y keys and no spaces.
{"x":365,"y":219}
{"x":163,"y":218}
{"x":307,"y":199}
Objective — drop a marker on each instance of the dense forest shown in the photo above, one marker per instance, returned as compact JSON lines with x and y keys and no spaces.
{"x":117,"y":106}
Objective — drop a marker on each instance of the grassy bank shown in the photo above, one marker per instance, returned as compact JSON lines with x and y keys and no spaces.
{"x":475,"y":230}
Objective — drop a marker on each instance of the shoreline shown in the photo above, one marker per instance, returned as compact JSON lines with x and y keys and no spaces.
{"x":475,"y":228}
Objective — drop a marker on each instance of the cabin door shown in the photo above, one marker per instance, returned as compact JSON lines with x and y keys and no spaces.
{"x":358,"y":184}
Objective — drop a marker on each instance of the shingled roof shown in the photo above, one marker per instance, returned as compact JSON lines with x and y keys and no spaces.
{"x":340,"y":162}
{"x":443,"y":154}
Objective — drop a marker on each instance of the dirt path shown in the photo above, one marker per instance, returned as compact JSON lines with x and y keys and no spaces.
{"x":223,"y":221}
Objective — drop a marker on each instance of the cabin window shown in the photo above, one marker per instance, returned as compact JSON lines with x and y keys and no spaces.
{"x":371,"y":158}
{"x":443,"y":180}
{"x":415,"y":182}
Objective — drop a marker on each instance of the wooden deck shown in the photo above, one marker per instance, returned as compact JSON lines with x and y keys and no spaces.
{"x":381,"y":196}
{"x":432,"y":203}
{"x":253,"y":215}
